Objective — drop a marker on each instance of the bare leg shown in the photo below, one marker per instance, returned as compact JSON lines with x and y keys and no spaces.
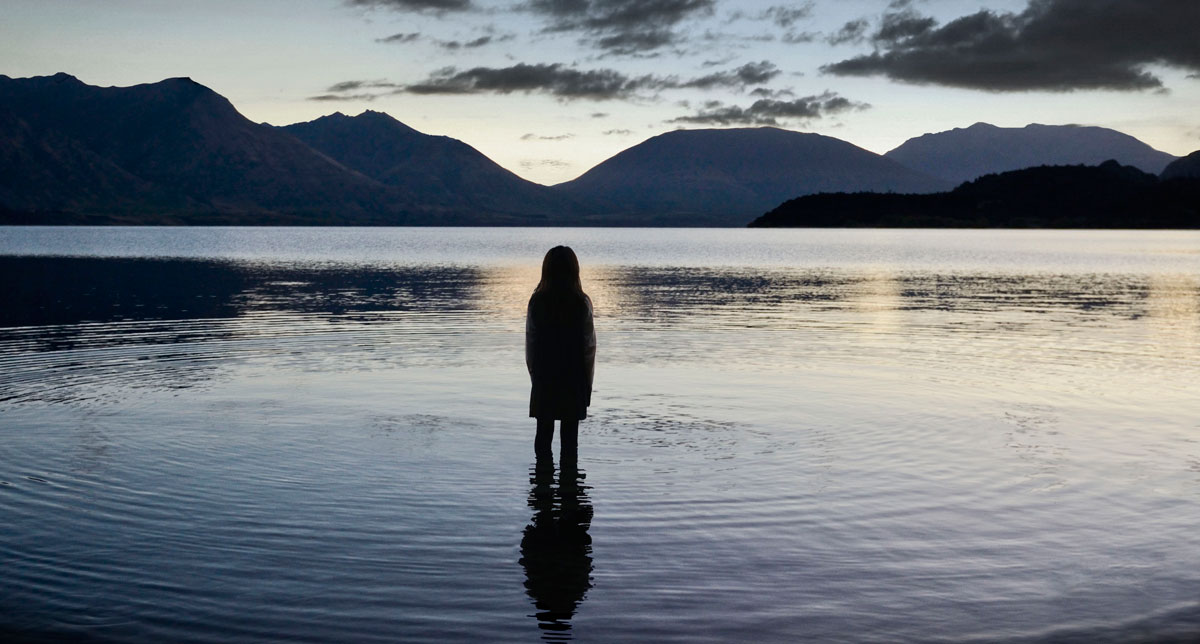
{"x":568,"y":449}
{"x":545,"y":435}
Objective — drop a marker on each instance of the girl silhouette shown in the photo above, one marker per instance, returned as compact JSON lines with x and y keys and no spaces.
{"x":560,"y":352}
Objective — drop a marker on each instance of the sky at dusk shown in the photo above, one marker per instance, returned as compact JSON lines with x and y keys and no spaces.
{"x":549,"y":88}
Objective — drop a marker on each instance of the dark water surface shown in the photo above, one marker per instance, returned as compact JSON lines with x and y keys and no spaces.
{"x":225,"y":435}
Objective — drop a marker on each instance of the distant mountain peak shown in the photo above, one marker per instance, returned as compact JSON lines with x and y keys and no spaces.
{"x":725,"y":176}
{"x":962,"y":154}
{"x":371,"y":116}
{"x":379,"y":122}
{"x":438,"y":168}
{"x":184,"y":84}
{"x":61,"y":78}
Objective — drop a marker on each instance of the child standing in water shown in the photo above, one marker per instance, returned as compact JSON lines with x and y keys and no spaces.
{"x":560,"y":352}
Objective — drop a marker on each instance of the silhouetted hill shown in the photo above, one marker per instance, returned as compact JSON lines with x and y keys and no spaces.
{"x":172,"y":151}
{"x":177,"y":152}
{"x":1186,"y":167}
{"x":1106,"y":196}
{"x":431,"y":168}
{"x":724,"y":177}
{"x":48,"y":170}
{"x":963,"y":154}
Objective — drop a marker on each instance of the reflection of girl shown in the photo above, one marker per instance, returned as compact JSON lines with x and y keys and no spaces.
{"x":560,"y":352}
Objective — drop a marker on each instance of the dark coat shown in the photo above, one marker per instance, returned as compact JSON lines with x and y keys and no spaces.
{"x":560,"y":352}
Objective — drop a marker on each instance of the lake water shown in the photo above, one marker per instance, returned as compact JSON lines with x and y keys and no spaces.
{"x":314,"y":435}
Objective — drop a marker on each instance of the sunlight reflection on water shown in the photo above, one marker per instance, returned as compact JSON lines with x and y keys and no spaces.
{"x":836,"y":435}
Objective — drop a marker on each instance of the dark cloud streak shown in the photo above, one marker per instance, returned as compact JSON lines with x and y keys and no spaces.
{"x":400,"y":38}
{"x":748,"y":74}
{"x":787,"y":16}
{"x":569,"y":83}
{"x":473,"y":44}
{"x":544,"y":137}
{"x":851,"y":32}
{"x":555,"y":79}
{"x":769,"y":111}
{"x":622,"y":27}
{"x":1052,"y":45}
{"x":344,"y":97}
{"x":435,"y":6}
{"x":352,"y":85}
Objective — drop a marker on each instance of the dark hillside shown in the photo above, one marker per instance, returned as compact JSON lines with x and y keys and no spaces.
{"x":1106,"y":196}
{"x":723,"y":177}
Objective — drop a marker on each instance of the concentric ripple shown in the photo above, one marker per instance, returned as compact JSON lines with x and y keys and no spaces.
{"x":863,"y":436}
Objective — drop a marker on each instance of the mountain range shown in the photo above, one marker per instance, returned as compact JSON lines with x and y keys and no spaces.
{"x":433,"y":169}
{"x":722,"y":177}
{"x":168,"y":152}
{"x":176,"y":152}
{"x":962,"y":154}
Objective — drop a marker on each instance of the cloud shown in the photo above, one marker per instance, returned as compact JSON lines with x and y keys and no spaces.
{"x":569,"y":83}
{"x":796,"y":37}
{"x":599,"y":115}
{"x":352,"y":85}
{"x":748,"y":74}
{"x":554,"y":79}
{"x":768,"y":111}
{"x":1052,"y":45}
{"x":473,"y":44}
{"x":537,"y":137}
{"x":771,"y":93}
{"x":853,"y":31}
{"x":436,"y":6}
{"x":356,"y":90}
{"x":621,"y":27}
{"x":529,"y":164}
{"x":450,"y":45}
{"x":786,"y":16}
{"x":344,"y":97}
{"x":617,"y":132}
{"x":400,"y":38}
{"x":783,"y":15}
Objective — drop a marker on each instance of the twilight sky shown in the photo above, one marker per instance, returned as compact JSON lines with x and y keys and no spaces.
{"x":549,"y":88}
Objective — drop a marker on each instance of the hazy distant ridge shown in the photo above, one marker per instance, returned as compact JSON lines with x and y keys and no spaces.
{"x":962,"y":154}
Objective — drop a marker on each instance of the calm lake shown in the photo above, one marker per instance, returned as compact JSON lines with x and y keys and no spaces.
{"x":318,"y":435}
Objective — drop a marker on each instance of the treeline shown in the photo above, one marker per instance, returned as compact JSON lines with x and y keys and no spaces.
{"x":1105,"y":196}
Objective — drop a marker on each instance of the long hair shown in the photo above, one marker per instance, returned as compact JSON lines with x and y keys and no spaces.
{"x":560,"y":272}
{"x":559,"y":299}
